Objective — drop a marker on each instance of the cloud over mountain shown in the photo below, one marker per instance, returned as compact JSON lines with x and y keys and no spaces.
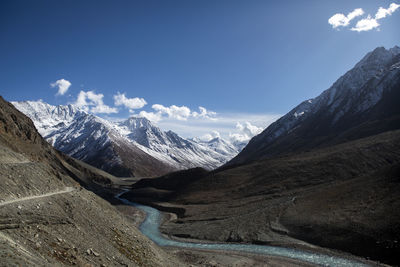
{"x":62,"y":85}
{"x":181,"y":113}
{"x":90,"y":101}
{"x":245,"y":131}
{"x":130,"y":103}
{"x":190,"y":123}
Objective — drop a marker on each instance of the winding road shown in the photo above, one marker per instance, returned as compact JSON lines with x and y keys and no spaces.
{"x":66,"y":190}
{"x":150,"y":228}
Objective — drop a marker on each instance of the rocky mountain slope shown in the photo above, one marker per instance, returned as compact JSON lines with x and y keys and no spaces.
{"x":134,"y":147}
{"x":343,"y":197}
{"x":327,"y":173}
{"x":48,"y":219}
{"x":362,"y":102}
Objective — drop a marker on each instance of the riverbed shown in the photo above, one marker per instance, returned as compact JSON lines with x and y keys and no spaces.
{"x":150,"y":228}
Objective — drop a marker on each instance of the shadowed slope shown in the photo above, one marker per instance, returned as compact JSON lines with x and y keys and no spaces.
{"x":48,"y":219}
{"x":343,"y":197}
{"x":361,"y":103}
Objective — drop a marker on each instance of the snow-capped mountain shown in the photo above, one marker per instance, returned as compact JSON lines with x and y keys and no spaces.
{"x":170,"y":147}
{"x":49,"y":118}
{"x":354,"y":106}
{"x":220,"y":146}
{"x":131,"y":147}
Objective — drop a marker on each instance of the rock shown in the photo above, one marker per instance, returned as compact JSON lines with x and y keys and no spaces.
{"x":94,"y":252}
{"x":19,"y":207}
{"x":88,"y":251}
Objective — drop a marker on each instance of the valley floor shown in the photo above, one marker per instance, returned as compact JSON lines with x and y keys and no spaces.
{"x":344,"y":198}
{"x":210,"y":258}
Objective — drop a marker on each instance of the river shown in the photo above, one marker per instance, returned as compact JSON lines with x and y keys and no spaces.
{"x":150,"y":228}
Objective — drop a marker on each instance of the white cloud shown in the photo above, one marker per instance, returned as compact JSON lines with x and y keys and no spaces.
{"x":245,"y":132}
{"x":382,"y":12}
{"x":81,"y":100}
{"x":204,"y":113}
{"x":210,"y":136}
{"x":130,"y":103}
{"x":92,"y":102}
{"x":248,"y":128}
{"x":62,"y":85}
{"x":151,"y":116}
{"x":238,"y":138}
{"x":202,"y":123}
{"x":224,"y":123}
{"x":101,"y":108}
{"x":181,"y":113}
{"x":340,"y":20}
{"x":366,"y":24}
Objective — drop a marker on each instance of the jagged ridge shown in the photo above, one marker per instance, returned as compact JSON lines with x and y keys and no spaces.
{"x":131,"y":147}
{"x":353,"y":107}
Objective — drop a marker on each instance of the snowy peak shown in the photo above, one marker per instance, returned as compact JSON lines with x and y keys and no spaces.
{"x":142,"y":131}
{"x":395,"y":50}
{"x":48,"y":118}
{"x":378,"y":59}
{"x":365,"y":95}
{"x":131,"y":147}
{"x":222,"y":146}
{"x":42,"y":111}
{"x":133,"y":123}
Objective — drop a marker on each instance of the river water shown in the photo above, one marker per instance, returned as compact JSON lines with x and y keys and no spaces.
{"x":150,"y":228}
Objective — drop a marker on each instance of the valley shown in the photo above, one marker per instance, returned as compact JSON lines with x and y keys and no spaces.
{"x":192,"y":133}
{"x":317,"y":187}
{"x":152,"y":220}
{"x":313,"y":179}
{"x":132,"y":147}
{"x":351,"y":214}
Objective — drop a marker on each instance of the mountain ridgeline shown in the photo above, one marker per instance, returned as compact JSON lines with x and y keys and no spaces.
{"x":326,"y":173}
{"x":134,"y":147}
{"x":362,"y":102}
{"x":48,"y":219}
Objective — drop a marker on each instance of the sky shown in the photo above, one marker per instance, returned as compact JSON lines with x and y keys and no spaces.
{"x":197,"y":67}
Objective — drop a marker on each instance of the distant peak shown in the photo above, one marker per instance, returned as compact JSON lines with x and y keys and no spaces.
{"x":135,"y":118}
{"x":395,"y":50}
{"x":382,"y":50}
{"x":215,"y":139}
{"x":379,"y":51}
{"x":380,"y":56}
{"x":134,"y":122}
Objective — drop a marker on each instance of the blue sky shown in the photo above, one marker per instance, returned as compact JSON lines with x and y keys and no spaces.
{"x":248,"y":61}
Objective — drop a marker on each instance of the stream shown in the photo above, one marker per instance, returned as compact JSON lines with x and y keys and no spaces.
{"x":150,"y":228}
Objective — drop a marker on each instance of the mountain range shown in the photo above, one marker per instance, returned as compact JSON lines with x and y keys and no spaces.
{"x":324,"y":176}
{"x":363,"y":102}
{"x":327,"y":173}
{"x":133,"y":147}
{"x":47,"y":215}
